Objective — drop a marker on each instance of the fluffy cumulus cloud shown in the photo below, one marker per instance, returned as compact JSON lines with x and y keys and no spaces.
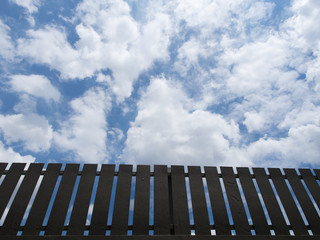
{"x":35,"y":85}
{"x":109,"y":38}
{"x":84,"y":134}
{"x":32,"y":130}
{"x":9,"y":155}
{"x":169,"y":130}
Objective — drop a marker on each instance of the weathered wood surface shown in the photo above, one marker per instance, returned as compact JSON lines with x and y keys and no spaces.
{"x":81,"y":202}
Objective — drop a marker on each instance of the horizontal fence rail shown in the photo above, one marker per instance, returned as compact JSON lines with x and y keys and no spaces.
{"x":73,"y":201}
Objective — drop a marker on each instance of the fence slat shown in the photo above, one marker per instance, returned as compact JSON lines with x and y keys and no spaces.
{"x":179,"y":201}
{"x":9,"y":183}
{"x":289,"y":205}
{"x":62,"y":200}
{"x":2,"y":168}
{"x":256,"y":211}
{"x":20,"y":202}
{"x":122,"y":201}
{"x":273,"y":208}
{"x":82,"y":200}
{"x":161,"y":201}
{"x":39,"y":207}
{"x":199,"y":204}
{"x":141,"y":201}
{"x":304,"y":200}
{"x":102,"y":201}
{"x":218,"y":206}
{"x":236,"y":205}
{"x":312,"y":184}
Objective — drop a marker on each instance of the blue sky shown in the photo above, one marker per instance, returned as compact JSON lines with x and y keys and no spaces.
{"x":219,"y":82}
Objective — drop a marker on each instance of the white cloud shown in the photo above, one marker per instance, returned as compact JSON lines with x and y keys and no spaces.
{"x":7,"y":46}
{"x":35,"y":85}
{"x":31,"y":129}
{"x":302,"y":146}
{"x":49,"y":46}
{"x":30,"y":5}
{"x":168,"y":130}
{"x":253,"y":121}
{"x":109,"y":38}
{"x":9,"y":155}
{"x":85,"y":132}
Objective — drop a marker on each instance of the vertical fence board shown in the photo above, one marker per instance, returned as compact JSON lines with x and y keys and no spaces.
{"x":20,"y":203}
{"x":304,"y":200}
{"x":317,"y":172}
{"x":141,"y":201}
{"x":2,"y":168}
{"x":122,"y":201}
{"x":161,"y":201}
{"x":180,"y":202}
{"x":60,"y":206}
{"x":102,"y":201}
{"x":256,"y":211}
{"x":312,"y":184}
{"x":273,"y":208}
{"x":39,"y":207}
{"x":289,"y":205}
{"x":199,"y":205}
{"x":9,"y":183}
{"x":218,"y":206}
{"x":82,"y":200}
{"x":236,"y":205}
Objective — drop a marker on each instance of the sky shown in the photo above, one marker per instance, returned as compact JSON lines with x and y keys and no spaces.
{"x":218,"y":83}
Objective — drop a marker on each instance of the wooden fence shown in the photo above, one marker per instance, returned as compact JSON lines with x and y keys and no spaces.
{"x":73,"y":201}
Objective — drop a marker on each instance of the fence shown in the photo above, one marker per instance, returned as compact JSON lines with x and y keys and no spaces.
{"x":70,"y":201}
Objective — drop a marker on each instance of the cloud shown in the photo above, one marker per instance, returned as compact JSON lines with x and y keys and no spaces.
{"x":30,"y":5}
{"x":9,"y":155}
{"x":32,"y":130}
{"x":253,"y":121}
{"x":167,"y":130}
{"x":35,"y":85}
{"x":84,"y":134}
{"x":300,"y":147}
{"x":7,"y":46}
{"x":109,"y":38}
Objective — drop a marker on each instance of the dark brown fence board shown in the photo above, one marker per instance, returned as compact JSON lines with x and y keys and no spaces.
{"x":317,"y":172}
{"x":82,"y":201}
{"x":235,"y":202}
{"x":102,"y":201}
{"x":180,"y":202}
{"x":41,"y":202}
{"x":9,"y":184}
{"x":199,"y":204}
{"x":289,"y":205}
{"x":304,"y":200}
{"x":161,"y":201}
{"x":171,"y":212}
{"x":21,"y":200}
{"x":256,"y":211}
{"x":141,"y":201}
{"x":2,"y":168}
{"x":122,"y":201}
{"x":219,"y":210}
{"x":278,"y":222}
{"x":312,"y":184}
{"x":62,"y":200}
